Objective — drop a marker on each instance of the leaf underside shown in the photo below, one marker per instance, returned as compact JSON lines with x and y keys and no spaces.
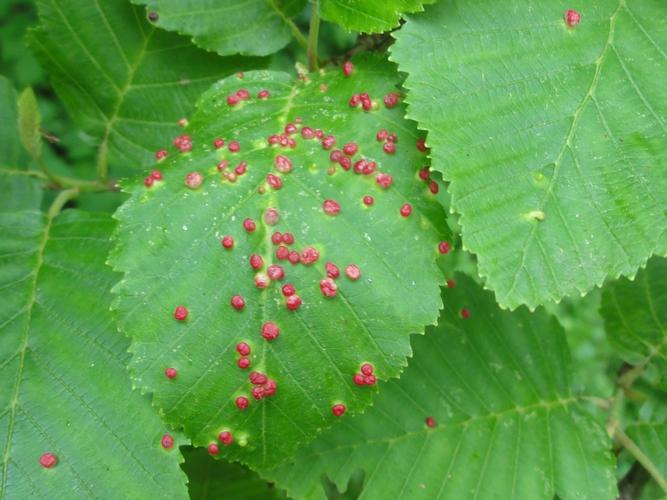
{"x":497,"y":385}
{"x":123,"y":81}
{"x":63,"y":365}
{"x":170,"y":251}
{"x":553,"y":138}
{"x":251,"y":27}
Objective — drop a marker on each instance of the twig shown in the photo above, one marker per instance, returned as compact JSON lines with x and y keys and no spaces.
{"x":60,"y":201}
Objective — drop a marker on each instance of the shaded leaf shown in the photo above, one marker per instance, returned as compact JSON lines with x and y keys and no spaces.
{"x":651,"y":437}
{"x":19,"y":191}
{"x":369,"y":16}
{"x":635,"y":314}
{"x":62,"y":363}
{"x":169,"y":247}
{"x":251,"y":27}
{"x":218,"y":479}
{"x":124,"y":82}
{"x":507,"y":423}
{"x":551,"y":136}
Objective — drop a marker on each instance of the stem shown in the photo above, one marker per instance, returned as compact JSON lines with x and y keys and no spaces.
{"x":80,"y":184}
{"x":59,"y":181}
{"x":296,"y":32}
{"x":60,"y":201}
{"x":313,"y":35}
{"x":646,"y":462}
{"x":602,"y":403}
{"x":615,"y":410}
{"x":45,"y":169}
{"x":628,"y":378}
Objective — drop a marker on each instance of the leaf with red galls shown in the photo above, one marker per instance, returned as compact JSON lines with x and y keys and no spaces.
{"x":292,"y":257}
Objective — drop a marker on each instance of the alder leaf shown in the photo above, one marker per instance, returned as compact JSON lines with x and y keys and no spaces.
{"x":124,"y":82}
{"x":65,"y":389}
{"x":505,"y":421}
{"x":369,"y":16}
{"x":169,"y":247}
{"x":251,"y":27}
{"x":553,"y":137}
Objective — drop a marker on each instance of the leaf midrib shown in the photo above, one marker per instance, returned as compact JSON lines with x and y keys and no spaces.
{"x":546,"y":405}
{"x":104,"y":146}
{"x":567,"y":143}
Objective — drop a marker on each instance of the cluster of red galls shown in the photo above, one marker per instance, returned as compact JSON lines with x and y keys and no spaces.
{"x":155,"y":175}
{"x":275,"y":272}
{"x":425,"y":175}
{"x":244,"y":95}
{"x":365,"y":376}
{"x":388,"y":141}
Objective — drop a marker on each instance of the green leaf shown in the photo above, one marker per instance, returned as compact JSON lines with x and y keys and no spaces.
{"x":62,"y":363}
{"x":369,"y":16}
{"x":169,"y":249}
{"x":124,"y":82}
{"x":29,"y":122}
{"x":635,"y":314}
{"x":550,"y":136}
{"x":218,"y":479}
{"x":507,"y":423}
{"x":251,"y":27}
{"x":12,"y":154}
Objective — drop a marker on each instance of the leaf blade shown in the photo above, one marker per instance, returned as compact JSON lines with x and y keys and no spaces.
{"x":369,"y":16}
{"x":225,"y":27}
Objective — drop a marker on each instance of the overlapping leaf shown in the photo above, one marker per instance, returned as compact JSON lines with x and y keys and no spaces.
{"x":506,"y":422}
{"x":251,"y":27}
{"x":554,"y":138}
{"x":170,"y":250}
{"x":369,"y":16}
{"x":65,"y":388}
{"x":124,"y":82}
